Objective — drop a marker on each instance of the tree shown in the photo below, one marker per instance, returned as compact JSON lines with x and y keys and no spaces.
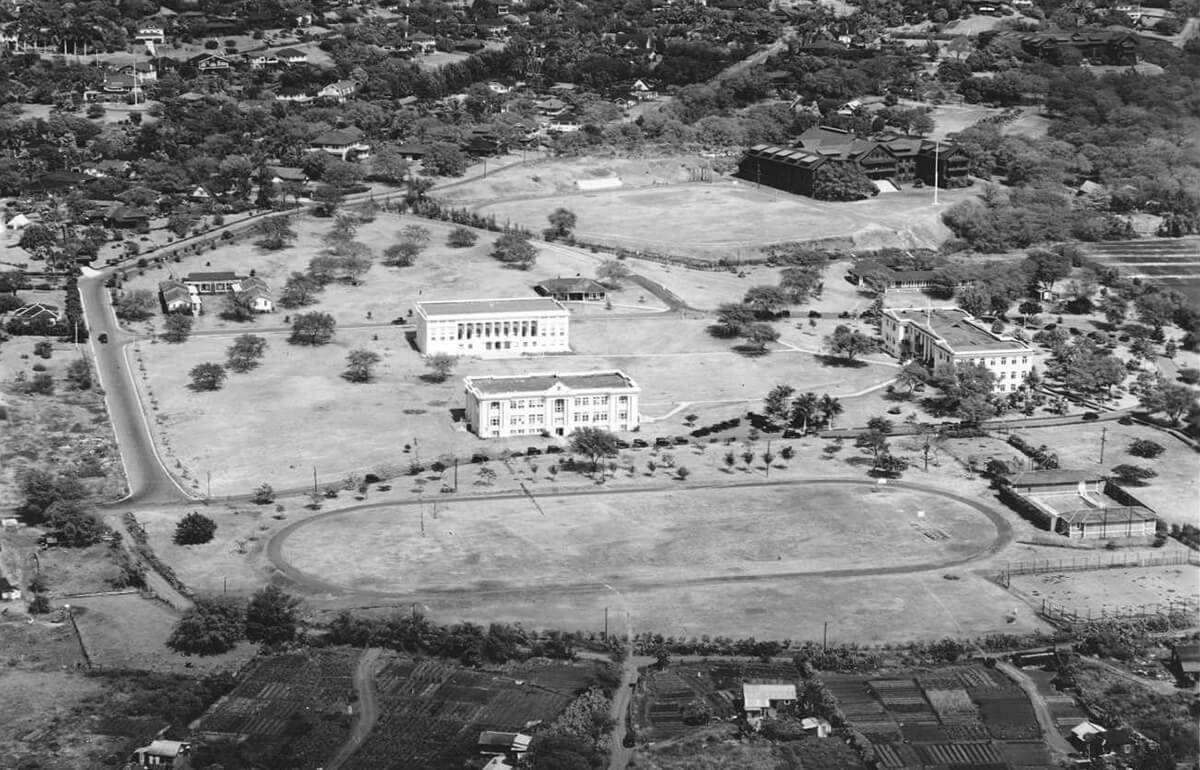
{"x":732,"y":319}
{"x":444,"y":159}
{"x":207,"y":376}
{"x":1114,"y":308}
{"x":594,"y":443}
{"x":805,"y":408}
{"x":75,"y":525}
{"x":1170,"y":399}
{"x":179,"y":224}
{"x":38,"y":239}
{"x":238,"y":307}
{"x":388,"y":165}
{"x":461,"y":238}
{"x":1144,"y":447}
{"x":210,"y":627}
{"x":136,"y":305}
{"x":612,"y":272}
{"x":562,"y":222}
{"x":928,"y":440}
{"x":440,"y":365}
{"x":761,"y":334}
{"x":245,"y":352}
{"x":1044,"y":267}
{"x":975,"y":409}
{"x":194,"y":529}
{"x":300,"y":290}
{"x":264,"y":494}
{"x":271,"y":616}
{"x":800,"y":283}
{"x":178,"y":327}
{"x":79,"y":374}
{"x":42,"y":488}
{"x":360,"y":365}
{"x":777,"y":406}
{"x":829,"y":408}
{"x":765,"y":301}
{"x":842,"y":182}
{"x":312,"y":329}
{"x":513,"y":248}
{"x":848,"y":343}
{"x":418,"y":234}
{"x":276,"y":233}
{"x":402,"y":254}
{"x":1156,"y":309}
{"x":911,"y":375}
{"x":1133,"y":475}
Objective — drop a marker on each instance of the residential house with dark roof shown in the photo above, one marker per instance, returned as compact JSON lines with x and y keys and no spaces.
{"x":346,"y":143}
{"x":339,"y":90}
{"x":175,"y":296}
{"x":256,"y":294}
{"x":214,"y":282}
{"x":1100,"y":46}
{"x":36,"y":313}
{"x":1185,"y":660}
{"x":291,"y":56}
{"x":210,"y":63}
{"x":572,"y":289}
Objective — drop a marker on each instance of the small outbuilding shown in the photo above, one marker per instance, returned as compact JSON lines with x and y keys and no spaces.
{"x":162,"y":754}
{"x":1185,"y":660}
{"x":761,"y":700}
{"x":572,"y":290}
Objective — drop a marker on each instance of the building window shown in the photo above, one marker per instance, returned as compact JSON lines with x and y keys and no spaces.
{"x":600,"y":417}
{"x":581,"y":401}
{"x":623,"y":400}
{"x":581,"y":417}
{"x":493,"y":404}
{"x":495,"y":421}
{"x":558,"y":406}
{"x":622,"y":416}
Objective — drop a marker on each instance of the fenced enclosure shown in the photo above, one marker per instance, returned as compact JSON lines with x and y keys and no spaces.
{"x":1175,"y":614}
{"x":1107,"y":560}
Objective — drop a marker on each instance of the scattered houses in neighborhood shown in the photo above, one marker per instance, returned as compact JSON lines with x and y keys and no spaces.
{"x":551,"y":403}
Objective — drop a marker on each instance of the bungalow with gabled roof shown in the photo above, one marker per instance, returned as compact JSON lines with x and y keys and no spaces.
{"x":178,"y":297}
{"x":572,"y":289}
{"x":346,"y":143}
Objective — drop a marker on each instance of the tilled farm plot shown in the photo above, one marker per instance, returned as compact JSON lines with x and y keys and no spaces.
{"x":957,"y":716}
{"x":431,"y":712}
{"x":298,"y":700}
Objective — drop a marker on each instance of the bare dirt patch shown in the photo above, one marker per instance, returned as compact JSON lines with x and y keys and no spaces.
{"x":1112,"y":589}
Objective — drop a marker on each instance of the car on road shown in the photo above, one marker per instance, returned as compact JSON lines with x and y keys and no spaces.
{"x":103,"y":337}
{"x":640,"y":443}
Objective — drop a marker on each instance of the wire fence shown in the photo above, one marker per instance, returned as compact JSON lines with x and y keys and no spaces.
{"x":1096,"y":562}
{"x":1174,"y":614}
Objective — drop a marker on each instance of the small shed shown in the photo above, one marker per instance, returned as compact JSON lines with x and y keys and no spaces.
{"x":8,"y":591}
{"x":816,"y":727}
{"x":761,"y":700}
{"x":1185,"y":659}
{"x":492,"y":742}
{"x":162,"y":754}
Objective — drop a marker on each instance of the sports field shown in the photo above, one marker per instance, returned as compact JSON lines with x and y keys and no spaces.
{"x":704,"y":560}
{"x":733,"y":218}
{"x":643,"y":537}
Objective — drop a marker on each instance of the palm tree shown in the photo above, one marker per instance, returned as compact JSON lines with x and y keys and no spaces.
{"x":804,"y":408}
{"x":830,"y":407}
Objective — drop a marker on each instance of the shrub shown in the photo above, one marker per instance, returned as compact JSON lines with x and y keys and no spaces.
{"x":194,"y":529}
{"x":1188,"y":376}
{"x":1145,"y":448}
{"x":1133,"y":475}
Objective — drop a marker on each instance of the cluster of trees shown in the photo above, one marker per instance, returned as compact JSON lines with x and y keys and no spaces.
{"x":215,"y":625}
{"x":875,"y":441}
{"x":59,"y":501}
{"x":514,"y":249}
{"x":470,"y":643}
{"x":412,"y":241}
{"x":784,"y":407}
{"x":849,"y":344}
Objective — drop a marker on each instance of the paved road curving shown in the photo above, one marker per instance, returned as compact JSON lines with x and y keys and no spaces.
{"x":312,"y":583}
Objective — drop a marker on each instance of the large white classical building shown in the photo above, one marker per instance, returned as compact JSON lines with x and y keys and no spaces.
{"x":495,"y":328}
{"x":951,"y":335}
{"x":530,"y":404}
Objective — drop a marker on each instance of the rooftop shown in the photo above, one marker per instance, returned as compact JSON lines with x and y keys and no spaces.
{"x":1052,"y":477}
{"x":759,"y":696}
{"x":455,"y":307}
{"x":539,"y":383}
{"x":222,"y":275}
{"x":1114,"y":516}
{"x":958,"y":328}
{"x":553,"y":285}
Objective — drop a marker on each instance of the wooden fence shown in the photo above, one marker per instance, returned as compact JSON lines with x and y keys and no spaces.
{"x":1101,"y":561}
{"x":1175,"y":614}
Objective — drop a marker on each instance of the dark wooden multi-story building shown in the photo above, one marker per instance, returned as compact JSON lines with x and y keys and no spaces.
{"x":898,"y":159}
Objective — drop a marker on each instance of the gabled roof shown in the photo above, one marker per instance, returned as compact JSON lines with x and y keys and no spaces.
{"x":36,"y":309}
{"x":173,"y":290}
{"x":290,"y":53}
{"x":760,"y":696}
{"x":288,"y":173}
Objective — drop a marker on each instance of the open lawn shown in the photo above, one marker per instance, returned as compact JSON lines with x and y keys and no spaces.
{"x":952,"y":118}
{"x":295,"y":411}
{"x":642,"y":538}
{"x":387,"y":293}
{"x":733,"y":218}
{"x":127,"y":631}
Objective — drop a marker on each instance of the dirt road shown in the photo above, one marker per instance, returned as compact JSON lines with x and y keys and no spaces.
{"x":368,"y":708}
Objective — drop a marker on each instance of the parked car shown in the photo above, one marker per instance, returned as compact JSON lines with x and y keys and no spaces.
{"x":679,"y":440}
{"x":554,"y":449}
{"x":532,"y":451}
{"x":103,"y":337}
{"x":640,"y":443}
{"x":662,"y":441}
{"x":622,"y":444}
{"x":1089,"y":416}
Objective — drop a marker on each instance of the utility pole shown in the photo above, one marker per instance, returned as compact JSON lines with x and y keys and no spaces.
{"x":315,"y":483}
{"x":455,"y":474}
{"x":1103,"y":438}
{"x":208,"y":476}
{"x":937,"y":148}
{"x":606,"y":624}
{"x":825,"y":638}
